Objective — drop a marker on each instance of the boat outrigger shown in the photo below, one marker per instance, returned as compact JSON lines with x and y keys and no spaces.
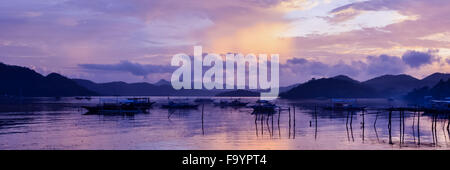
{"x":128,"y":106}
{"x":344,"y":105}
{"x":234,"y":103}
{"x":179,"y":105}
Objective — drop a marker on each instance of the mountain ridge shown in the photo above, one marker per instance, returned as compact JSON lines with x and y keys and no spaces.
{"x":22,"y":81}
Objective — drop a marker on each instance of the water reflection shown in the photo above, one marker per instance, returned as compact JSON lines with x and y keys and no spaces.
{"x":292,"y":126}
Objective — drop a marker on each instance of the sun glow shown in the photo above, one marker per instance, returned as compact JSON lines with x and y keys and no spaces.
{"x":258,"y":38}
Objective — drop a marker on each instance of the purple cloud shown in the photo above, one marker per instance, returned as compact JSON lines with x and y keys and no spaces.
{"x":297,"y":61}
{"x":133,"y":68}
{"x":300,"y":69}
{"x":384,"y":64}
{"x":416,"y":59}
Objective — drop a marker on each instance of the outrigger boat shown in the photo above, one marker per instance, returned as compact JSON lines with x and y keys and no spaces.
{"x":140,"y":102}
{"x":438,"y":106}
{"x":129,"y":106}
{"x":344,"y":105}
{"x":179,"y":105}
{"x":81,"y":98}
{"x":203,"y":100}
{"x":263,"y":106}
{"x":234,"y":103}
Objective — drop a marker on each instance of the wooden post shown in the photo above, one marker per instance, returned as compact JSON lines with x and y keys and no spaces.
{"x":262,"y":125}
{"x":389,"y":127}
{"x":256,"y":124}
{"x":363,"y":124}
{"x":375,"y":126}
{"x":203,"y":130}
{"x":432,"y":128}
{"x":294,"y":123}
{"x":418,"y":128}
{"x":346,"y":126}
{"x":272,"y":123}
{"x":400,"y":123}
{"x":268,"y":126}
{"x":351,"y":126}
{"x":403,"y":122}
{"x":315,"y":123}
{"x":289,"y":122}
{"x":279,"y":131}
{"x":448,"y":125}
{"x":413,"y":129}
{"x":435,"y":129}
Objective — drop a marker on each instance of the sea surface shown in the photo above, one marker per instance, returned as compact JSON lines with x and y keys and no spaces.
{"x":61,"y":123}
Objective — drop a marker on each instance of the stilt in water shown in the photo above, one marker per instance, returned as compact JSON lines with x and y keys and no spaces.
{"x":413,"y":129}
{"x":418,"y":128}
{"x":448,"y":126}
{"x":279,"y":131}
{"x":315,"y":123}
{"x":363,"y":126}
{"x":262,"y":125}
{"x":351,"y":126}
{"x":432,"y":128}
{"x":443,"y":131}
{"x":256,"y":124}
{"x":435,"y":130}
{"x":346,"y":126}
{"x":375,"y":126}
{"x":403,"y":122}
{"x":389,"y":127}
{"x":401,"y":126}
{"x":272,"y":123}
{"x":203,"y":130}
{"x":294,"y":124}
{"x":268,"y":126}
{"x":289,"y":122}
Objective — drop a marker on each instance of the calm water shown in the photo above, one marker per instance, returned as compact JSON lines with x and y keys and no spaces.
{"x":60,"y":124}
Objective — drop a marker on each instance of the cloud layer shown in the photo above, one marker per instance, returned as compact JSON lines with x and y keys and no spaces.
{"x":300,"y":69}
{"x":133,"y":68}
{"x":323,"y":37}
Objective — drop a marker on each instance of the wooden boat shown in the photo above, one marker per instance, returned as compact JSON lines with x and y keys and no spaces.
{"x":203,"y":100}
{"x":83,"y":98}
{"x":114,"y":109}
{"x":264,"y":106}
{"x":179,"y":105}
{"x":129,"y":106}
{"x":234,"y":103}
{"x":344,"y":105}
{"x":140,"y":102}
{"x":438,"y":106}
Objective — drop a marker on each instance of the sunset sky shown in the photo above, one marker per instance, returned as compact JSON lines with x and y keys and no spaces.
{"x":134,"y":40}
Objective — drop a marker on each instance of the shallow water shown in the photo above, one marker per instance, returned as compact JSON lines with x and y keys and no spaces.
{"x":46,"y":123}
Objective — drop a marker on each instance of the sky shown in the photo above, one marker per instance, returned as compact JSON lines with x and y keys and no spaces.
{"x":134,"y":40}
